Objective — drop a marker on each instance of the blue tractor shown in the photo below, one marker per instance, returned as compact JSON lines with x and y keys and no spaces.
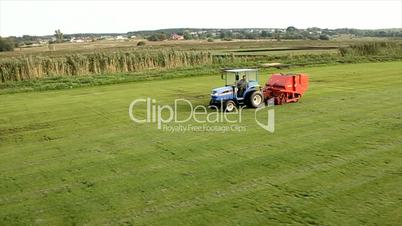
{"x":241,"y":88}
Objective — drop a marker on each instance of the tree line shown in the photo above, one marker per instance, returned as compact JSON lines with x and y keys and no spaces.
{"x":291,"y":32}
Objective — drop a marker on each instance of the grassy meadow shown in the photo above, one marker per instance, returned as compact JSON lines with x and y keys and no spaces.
{"x":74,"y":157}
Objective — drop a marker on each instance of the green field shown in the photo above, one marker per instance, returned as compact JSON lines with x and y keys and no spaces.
{"x":74,"y":156}
{"x":71,"y":62}
{"x":62,"y":49}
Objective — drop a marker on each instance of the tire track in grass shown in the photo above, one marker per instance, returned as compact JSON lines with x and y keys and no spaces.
{"x":262,"y":183}
{"x":257,"y":133}
{"x":310,"y":134}
{"x":244,"y":150}
{"x":88,"y":200}
{"x":247,"y":186}
{"x":66,"y":120}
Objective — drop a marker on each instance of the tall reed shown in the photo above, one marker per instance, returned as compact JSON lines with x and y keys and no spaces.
{"x":375,"y":48}
{"x":28,"y":67}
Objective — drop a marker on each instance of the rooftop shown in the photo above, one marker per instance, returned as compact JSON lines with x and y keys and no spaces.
{"x":240,"y":70}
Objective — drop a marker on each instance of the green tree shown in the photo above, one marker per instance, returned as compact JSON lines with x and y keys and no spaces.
{"x":209,"y":34}
{"x":277,"y":35}
{"x":226,"y":35}
{"x":157,"y":37}
{"x":250,"y":35}
{"x":59,"y":35}
{"x":324,"y":37}
{"x":187,"y":35}
{"x":6,"y":44}
{"x":162,"y":36}
{"x":264,"y":34}
{"x":153,"y":37}
{"x":291,"y":29}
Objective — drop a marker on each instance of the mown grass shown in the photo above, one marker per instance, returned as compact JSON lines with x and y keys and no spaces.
{"x":74,"y":156}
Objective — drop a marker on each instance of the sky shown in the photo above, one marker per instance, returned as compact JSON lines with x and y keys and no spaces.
{"x":36,"y":17}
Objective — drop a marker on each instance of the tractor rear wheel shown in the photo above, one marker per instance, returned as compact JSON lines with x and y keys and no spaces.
{"x":281,"y":99}
{"x":256,"y":99}
{"x":230,"y":106}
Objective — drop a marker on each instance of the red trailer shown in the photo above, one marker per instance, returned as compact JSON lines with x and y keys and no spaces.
{"x":285,"y":88}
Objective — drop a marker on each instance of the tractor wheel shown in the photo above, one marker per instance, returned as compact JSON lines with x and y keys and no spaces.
{"x":279,"y":100}
{"x":256,"y":100}
{"x":230,"y":106}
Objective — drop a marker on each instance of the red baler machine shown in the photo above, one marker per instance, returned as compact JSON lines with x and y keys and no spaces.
{"x":285,"y":88}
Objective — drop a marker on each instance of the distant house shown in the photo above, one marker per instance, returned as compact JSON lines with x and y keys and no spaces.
{"x":109,"y":38}
{"x":120,"y":37}
{"x":74,"y":40}
{"x":175,"y":36}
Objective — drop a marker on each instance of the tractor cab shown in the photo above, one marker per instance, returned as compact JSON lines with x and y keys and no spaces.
{"x":241,"y":88}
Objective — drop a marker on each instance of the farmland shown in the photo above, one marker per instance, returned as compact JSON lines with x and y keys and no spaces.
{"x":73,"y":156}
{"x":127,"y":60}
{"x":112,"y":46}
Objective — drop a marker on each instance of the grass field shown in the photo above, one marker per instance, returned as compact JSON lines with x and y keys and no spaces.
{"x":75,"y":157}
{"x":219,"y":46}
{"x":125,"y":57}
